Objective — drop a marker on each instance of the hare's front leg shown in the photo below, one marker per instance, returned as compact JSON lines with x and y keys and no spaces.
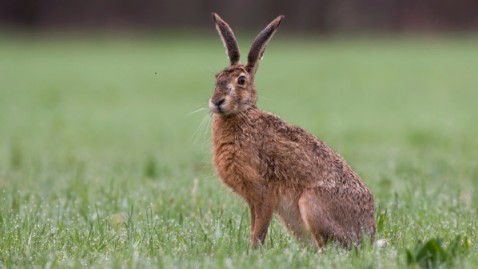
{"x":261,"y":216}
{"x":253,"y":220}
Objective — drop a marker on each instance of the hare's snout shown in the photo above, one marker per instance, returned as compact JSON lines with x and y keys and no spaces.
{"x":217,"y":105}
{"x":222,"y":99}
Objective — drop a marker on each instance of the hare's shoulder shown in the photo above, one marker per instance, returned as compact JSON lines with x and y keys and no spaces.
{"x":295,"y":141}
{"x":280,"y":129}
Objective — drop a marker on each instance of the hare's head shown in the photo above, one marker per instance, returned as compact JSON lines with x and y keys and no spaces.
{"x":234,"y":90}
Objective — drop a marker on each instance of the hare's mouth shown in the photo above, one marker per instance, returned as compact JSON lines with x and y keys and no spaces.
{"x":223,"y":107}
{"x":217,"y":106}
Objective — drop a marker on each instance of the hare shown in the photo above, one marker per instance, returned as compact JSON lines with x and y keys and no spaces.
{"x":280,"y":168}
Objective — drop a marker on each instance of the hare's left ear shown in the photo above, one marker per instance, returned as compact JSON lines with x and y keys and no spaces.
{"x":228,"y":39}
{"x":260,"y":43}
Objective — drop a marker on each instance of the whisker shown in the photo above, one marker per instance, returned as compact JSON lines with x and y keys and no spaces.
{"x":198,"y":131}
{"x":208,"y":124}
{"x":203,"y":131}
{"x":197,"y":110}
{"x":265,"y":98}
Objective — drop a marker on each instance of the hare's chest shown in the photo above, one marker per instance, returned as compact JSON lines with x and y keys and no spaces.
{"x":237,"y":172}
{"x":236,"y":163}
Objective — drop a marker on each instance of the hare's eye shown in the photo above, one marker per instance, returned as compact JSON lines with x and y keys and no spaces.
{"x":241,"y":80}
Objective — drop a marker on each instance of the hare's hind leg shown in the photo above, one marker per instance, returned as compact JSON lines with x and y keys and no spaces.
{"x":315,"y":217}
{"x":289,"y":213}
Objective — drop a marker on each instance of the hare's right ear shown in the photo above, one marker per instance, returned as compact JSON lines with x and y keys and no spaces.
{"x":260,"y":43}
{"x":228,"y":39}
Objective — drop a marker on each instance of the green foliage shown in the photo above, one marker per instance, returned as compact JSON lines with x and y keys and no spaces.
{"x":105,"y":153}
{"x":433,"y":253}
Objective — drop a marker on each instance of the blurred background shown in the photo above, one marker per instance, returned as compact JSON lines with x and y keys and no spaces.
{"x":74,"y":74}
{"x":319,"y":16}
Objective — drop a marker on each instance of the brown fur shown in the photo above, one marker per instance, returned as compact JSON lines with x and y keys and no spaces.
{"x":278,"y":167}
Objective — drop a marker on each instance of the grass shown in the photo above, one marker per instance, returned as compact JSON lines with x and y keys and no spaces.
{"x":103,"y":164}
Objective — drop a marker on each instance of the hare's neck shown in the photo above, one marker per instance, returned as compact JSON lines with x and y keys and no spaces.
{"x":229,"y":127}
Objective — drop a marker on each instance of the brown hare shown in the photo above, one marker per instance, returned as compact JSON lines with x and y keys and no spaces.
{"x":278,"y":167}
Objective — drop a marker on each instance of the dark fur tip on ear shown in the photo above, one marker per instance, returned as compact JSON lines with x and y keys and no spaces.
{"x":276,"y":22}
{"x":280,"y":18}
{"x":215,"y":16}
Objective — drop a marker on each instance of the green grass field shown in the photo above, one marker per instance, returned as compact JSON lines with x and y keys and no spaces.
{"x":104,"y":162}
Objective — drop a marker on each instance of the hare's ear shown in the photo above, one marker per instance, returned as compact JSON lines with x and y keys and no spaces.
{"x":260,"y":43}
{"x":228,"y":39}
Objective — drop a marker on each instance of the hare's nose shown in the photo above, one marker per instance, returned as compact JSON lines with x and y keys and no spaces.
{"x":219,"y":102}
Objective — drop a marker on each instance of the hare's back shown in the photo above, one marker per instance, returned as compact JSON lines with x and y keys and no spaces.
{"x":291,"y":153}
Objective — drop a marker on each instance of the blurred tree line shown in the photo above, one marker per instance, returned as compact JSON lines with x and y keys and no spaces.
{"x":302,"y":15}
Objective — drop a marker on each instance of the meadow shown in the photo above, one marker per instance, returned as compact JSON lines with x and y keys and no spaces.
{"x":105,"y":149}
